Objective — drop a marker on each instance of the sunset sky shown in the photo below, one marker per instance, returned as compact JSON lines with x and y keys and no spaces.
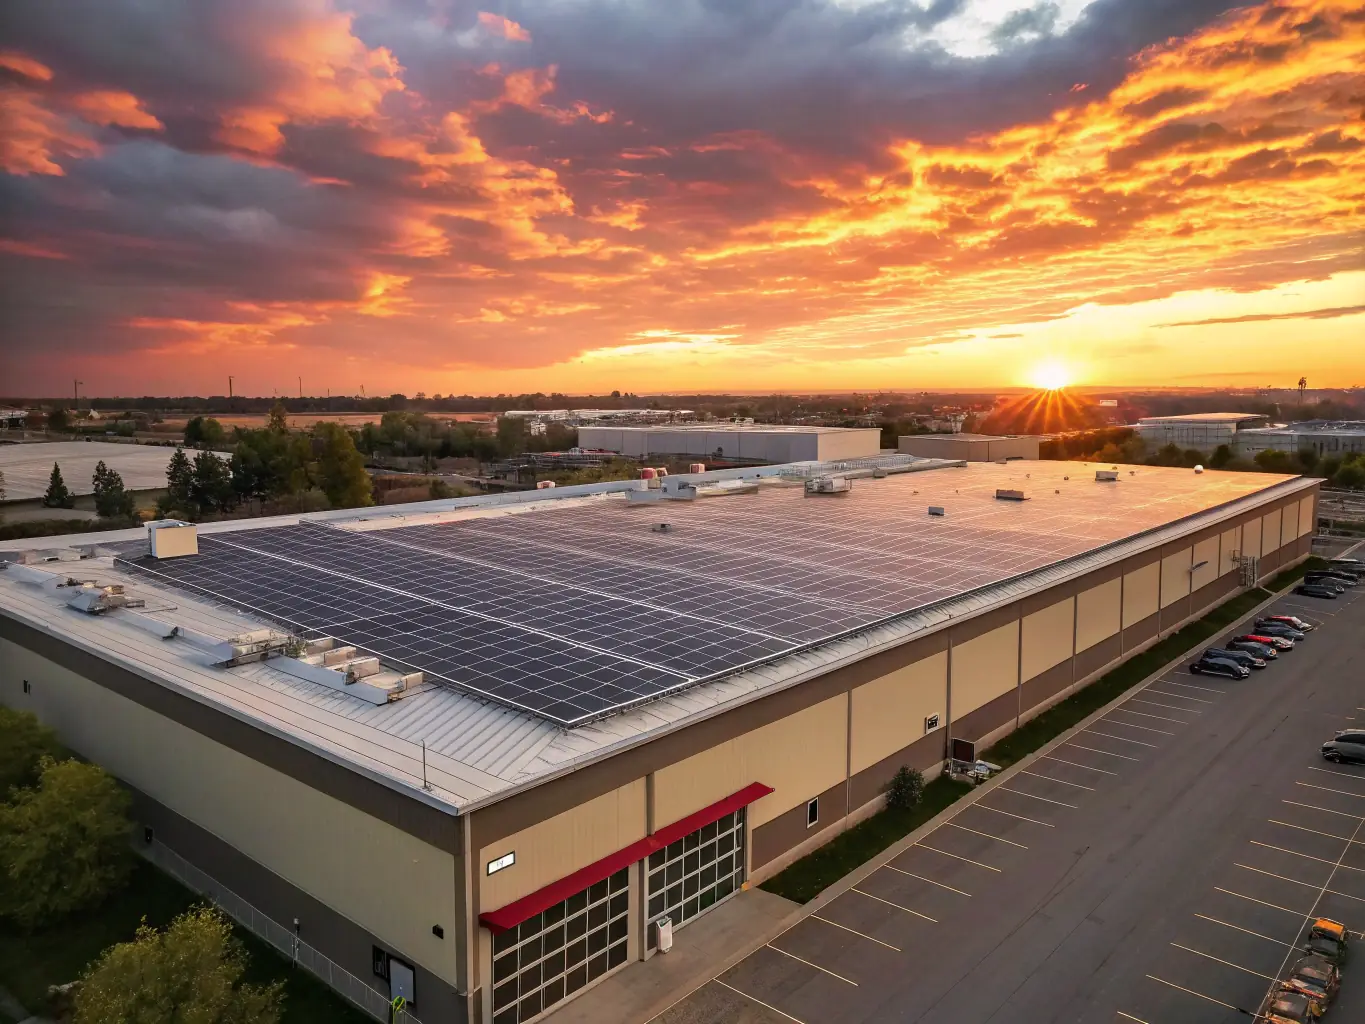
{"x":575,"y":195}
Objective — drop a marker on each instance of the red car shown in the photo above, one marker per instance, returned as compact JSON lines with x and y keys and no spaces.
{"x":1277,"y":642}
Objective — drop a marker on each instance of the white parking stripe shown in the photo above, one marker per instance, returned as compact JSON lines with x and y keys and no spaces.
{"x":1341,"y":775}
{"x":1129,"y":1016}
{"x":1010,"y":814}
{"x":1097,"y":750}
{"x":798,"y":959}
{"x":1077,"y":764}
{"x":923,"y":879}
{"x":1329,"y":789}
{"x":965,"y":860}
{"x":1295,"y":881}
{"x":1039,"y":775}
{"x":760,"y":1002}
{"x":1325,"y":810}
{"x":1130,"y":725}
{"x":998,"y":839}
{"x":860,"y":892}
{"x":1192,"y":992}
{"x":854,"y":931}
{"x":1158,"y":704}
{"x":1307,"y":856}
{"x":1020,"y":792}
{"x":1144,"y":714}
{"x":1121,"y":739}
{"x":1316,"y":832}
{"x":1191,"y":686}
{"x":1179,"y":696}
{"x":1226,"y":963}
{"x":1248,"y":931}
{"x":1253,"y":899}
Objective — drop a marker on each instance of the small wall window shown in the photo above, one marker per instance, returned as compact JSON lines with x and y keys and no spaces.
{"x":812,"y":812}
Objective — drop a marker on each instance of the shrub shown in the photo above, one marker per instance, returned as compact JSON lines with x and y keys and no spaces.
{"x":24,"y":742}
{"x":906,"y":788}
{"x":190,"y":973}
{"x":63,"y":844}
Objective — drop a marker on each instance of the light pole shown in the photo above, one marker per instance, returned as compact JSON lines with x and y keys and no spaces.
{"x":229,"y":385}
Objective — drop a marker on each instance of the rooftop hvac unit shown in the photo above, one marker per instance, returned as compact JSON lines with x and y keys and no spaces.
{"x":696,"y":467}
{"x":171,"y":539}
{"x":829,"y":485}
{"x":937,"y":510}
{"x":1009,"y":494}
{"x":648,"y":473}
{"x":1104,"y":475}
{"x":544,"y":485}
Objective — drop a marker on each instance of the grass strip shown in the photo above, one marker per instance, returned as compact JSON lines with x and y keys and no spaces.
{"x":30,"y":962}
{"x":806,"y":878}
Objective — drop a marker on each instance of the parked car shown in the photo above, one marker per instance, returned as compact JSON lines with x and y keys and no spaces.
{"x":1339,"y":577}
{"x":1329,"y":939}
{"x":1255,"y":647}
{"x":1291,"y":620}
{"x":1220,"y":667}
{"x":1272,"y":628}
{"x":1317,"y":978}
{"x":1287,"y":1006}
{"x":1349,"y":565}
{"x":1330,"y":582}
{"x":1348,"y":745}
{"x":1317,"y":590}
{"x":1244,"y":658}
{"x":1280,"y":643}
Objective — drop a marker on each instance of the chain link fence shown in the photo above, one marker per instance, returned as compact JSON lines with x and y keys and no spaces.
{"x":373,"y":1002}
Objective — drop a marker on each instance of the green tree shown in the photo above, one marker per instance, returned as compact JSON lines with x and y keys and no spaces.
{"x":189,"y":974}
{"x":111,"y":500}
{"x":64,"y":843}
{"x":1273,"y":460}
{"x":906,"y":788}
{"x":1221,"y":456}
{"x":1308,"y":459}
{"x":24,"y":742}
{"x":1351,"y":475}
{"x":204,"y":432}
{"x":59,"y":421}
{"x":211,"y":484}
{"x":57,"y":495}
{"x":278,"y":423}
{"x":179,"y":486}
{"x":340,"y":467}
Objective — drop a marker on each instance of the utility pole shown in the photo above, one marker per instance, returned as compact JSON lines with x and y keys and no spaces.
{"x":229,"y":385}
{"x":76,"y":390}
{"x":300,"y":387}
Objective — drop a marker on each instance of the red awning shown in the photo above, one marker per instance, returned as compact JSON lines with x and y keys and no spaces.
{"x":498,"y":921}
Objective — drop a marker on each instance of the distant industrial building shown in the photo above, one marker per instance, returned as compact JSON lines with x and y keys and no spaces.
{"x":27,"y":467}
{"x":13,"y":419}
{"x":969,"y":447}
{"x":737,"y":442}
{"x":487,"y":753}
{"x":1323,"y":437}
{"x":1204,"y":431}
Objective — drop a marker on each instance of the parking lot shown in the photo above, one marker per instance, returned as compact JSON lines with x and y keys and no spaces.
{"x":1160,"y":866}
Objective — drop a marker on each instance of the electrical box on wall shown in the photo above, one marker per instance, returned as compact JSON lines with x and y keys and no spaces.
{"x":665,"y":927}
{"x":931,"y":723}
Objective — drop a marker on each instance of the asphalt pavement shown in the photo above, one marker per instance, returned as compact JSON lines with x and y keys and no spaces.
{"x":1158,"y":867}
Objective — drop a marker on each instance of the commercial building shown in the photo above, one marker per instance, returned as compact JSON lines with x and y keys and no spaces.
{"x":1204,"y":431}
{"x":970,"y":447}
{"x":742,"y":442}
{"x":27,"y":467}
{"x":524,"y":732}
{"x":1326,"y":438}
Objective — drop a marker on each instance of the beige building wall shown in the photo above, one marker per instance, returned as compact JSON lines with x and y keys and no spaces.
{"x":1251,"y":538}
{"x":889,"y":713}
{"x":1175,"y":577}
{"x":1140,"y":593}
{"x":559,"y":846}
{"x":1270,"y":532}
{"x":983,"y":668}
{"x":1305,"y":516}
{"x":800,"y":756}
{"x":1205,"y":551}
{"x":1230,"y":544}
{"x":1289,"y":524}
{"x":383,"y":879}
{"x":1098,"y":614}
{"x":1047,"y":639}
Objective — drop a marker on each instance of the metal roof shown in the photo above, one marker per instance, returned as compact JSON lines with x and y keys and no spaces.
{"x":478,"y":751}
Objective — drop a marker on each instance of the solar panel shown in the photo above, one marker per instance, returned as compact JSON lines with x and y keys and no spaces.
{"x":575,"y":611}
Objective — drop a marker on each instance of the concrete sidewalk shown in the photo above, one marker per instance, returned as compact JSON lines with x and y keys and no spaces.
{"x":708,"y":946}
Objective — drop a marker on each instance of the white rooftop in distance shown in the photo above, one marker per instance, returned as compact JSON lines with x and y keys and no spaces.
{"x":27,"y":467}
{"x":1204,"y":417}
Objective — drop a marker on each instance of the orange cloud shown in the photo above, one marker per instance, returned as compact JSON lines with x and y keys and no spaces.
{"x":112,"y":107}
{"x":26,"y":66}
{"x":504,"y":27}
{"x":33,"y":138}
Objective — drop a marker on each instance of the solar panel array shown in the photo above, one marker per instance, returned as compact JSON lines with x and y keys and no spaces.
{"x":576,"y":611}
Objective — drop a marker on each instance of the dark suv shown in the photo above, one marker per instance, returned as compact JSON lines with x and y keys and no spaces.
{"x":1260,"y":650}
{"x":1345,"y":746}
{"x":1272,"y":628}
{"x":1244,"y":658}
{"x":1220,"y":667}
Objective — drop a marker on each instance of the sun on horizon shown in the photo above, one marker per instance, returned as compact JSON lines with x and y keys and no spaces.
{"x":1051,"y":376}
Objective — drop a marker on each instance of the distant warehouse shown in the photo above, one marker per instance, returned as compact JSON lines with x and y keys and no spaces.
{"x":486,"y":754}
{"x":741,"y":442}
{"x":969,"y":447}
{"x":1325,"y":438}
{"x":1204,"y":431}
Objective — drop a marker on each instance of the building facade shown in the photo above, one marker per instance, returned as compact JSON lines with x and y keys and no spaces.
{"x":969,"y":447}
{"x":737,"y":442}
{"x":546,"y":876}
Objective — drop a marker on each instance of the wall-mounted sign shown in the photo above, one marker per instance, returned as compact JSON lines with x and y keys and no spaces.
{"x":931,"y":723}
{"x":505,"y":861}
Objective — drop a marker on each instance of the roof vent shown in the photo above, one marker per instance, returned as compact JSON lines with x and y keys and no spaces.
{"x":1009,"y":494}
{"x":829,"y":485}
{"x":544,"y":485}
{"x":1199,"y":469}
{"x":1106,"y":475}
{"x":937,"y":510}
{"x":662,"y":528}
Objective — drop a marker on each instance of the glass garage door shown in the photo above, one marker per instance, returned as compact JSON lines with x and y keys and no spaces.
{"x":550,"y":956}
{"x":693,"y":874}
